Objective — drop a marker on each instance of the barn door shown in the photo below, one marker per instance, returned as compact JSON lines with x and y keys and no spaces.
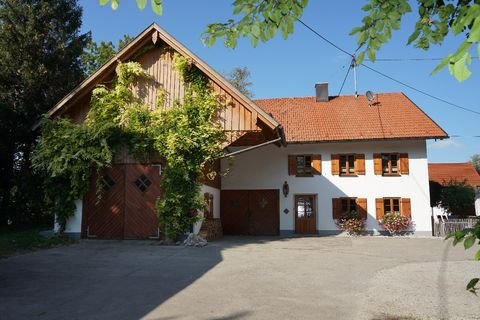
{"x":104,"y":218}
{"x":142,"y":188}
{"x":127,"y":207}
{"x":250,"y":212}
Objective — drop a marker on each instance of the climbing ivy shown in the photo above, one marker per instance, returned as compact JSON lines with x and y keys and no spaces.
{"x":186,"y":135}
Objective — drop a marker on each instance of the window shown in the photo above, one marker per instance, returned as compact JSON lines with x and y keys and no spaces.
{"x":303,"y":165}
{"x":349,"y":205}
{"x":350,"y":164}
{"x":391,"y":205}
{"x":390,"y":164}
{"x":347,"y":164}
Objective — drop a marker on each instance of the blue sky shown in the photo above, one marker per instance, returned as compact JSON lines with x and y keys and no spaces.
{"x":291,"y":67}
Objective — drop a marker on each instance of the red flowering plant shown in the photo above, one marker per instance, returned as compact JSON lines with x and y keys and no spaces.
{"x":395,"y":223}
{"x":351,"y":222}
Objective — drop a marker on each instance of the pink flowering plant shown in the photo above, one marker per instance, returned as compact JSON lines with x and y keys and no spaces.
{"x":395,"y":223}
{"x":351,"y":223}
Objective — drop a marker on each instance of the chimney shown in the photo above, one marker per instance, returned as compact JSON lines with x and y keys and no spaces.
{"x":321,"y":90}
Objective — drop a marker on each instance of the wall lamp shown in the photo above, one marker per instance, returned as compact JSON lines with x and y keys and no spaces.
{"x":285,"y":189}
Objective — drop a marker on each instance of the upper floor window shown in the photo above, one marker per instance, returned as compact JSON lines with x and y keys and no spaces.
{"x":391,"y":164}
{"x":304,"y":165}
{"x":351,"y":164}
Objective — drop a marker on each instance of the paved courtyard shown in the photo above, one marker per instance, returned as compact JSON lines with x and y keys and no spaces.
{"x":243,"y":278}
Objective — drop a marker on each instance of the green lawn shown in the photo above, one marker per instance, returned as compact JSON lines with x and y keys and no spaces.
{"x":12,"y":242}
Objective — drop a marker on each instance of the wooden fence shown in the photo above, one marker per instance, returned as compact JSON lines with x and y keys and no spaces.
{"x":444,"y":227}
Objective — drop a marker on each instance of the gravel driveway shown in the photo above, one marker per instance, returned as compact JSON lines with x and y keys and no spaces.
{"x":243,"y":278}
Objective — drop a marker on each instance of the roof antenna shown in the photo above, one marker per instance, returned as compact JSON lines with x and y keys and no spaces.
{"x":354,"y":66}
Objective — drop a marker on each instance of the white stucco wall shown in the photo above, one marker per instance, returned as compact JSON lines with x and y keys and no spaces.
{"x":216,"y":205}
{"x":74,"y":224}
{"x":267,"y":168}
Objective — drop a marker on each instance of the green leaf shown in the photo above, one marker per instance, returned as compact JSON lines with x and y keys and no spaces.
{"x":413,"y":36}
{"x":477,"y":255}
{"x":475,"y":31}
{"x":360,"y":57}
{"x":103,"y":2}
{"x":371,"y":54}
{"x":472,"y":283}
{"x":115,"y":4}
{"x":460,"y":68}
{"x":157,"y":7}
{"x":141,"y":4}
{"x":469,"y":241}
{"x":439,"y":67}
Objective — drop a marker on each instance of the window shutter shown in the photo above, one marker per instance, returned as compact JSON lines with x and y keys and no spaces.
{"x":406,"y":208}
{"x":335,"y":164}
{"x":362,"y":208}
{"x":377,"y":163}
{"x":317,"y":164}
{"x":292,"y":165}
{"x":404,"y":163}
{"x":336,"y":208}
{"x":379,"y":208}
{"x":360,"y":164}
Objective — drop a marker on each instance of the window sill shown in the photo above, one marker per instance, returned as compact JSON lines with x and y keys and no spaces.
{"x":349,"y":175}
{"x":304,"y":175}
{"x":391,"y":175}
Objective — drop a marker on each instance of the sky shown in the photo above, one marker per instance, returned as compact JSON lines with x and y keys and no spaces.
{"x":288,"y":68}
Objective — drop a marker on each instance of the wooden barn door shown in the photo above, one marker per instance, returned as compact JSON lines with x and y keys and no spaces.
{"x":104,"y":218}
{"x":127,"y":207}
{"x":250,"y":212}
{"x":142,"y":188}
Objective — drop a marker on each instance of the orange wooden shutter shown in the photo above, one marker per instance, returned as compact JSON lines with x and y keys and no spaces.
{"x":404,"y":163}
{"x":379,"y":208}
{"x":360,"y":164}
{"x":406,"y":208}
{"x":317,"y":164}
{"x":336,"y":208}
{"x":335,"y":164}
{"x":377,"y":163}
{"x":292,"y":165}
{"x":362,"y":208}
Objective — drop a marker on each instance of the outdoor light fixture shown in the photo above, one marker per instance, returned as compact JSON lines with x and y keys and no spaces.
{"x":285,"y":189}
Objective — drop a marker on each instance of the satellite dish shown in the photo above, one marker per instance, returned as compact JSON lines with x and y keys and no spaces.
{"x":370,"y":97}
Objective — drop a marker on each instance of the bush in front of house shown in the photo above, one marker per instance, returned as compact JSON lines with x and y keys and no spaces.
{"x":351,"y":223}
{"x":395,"y":223}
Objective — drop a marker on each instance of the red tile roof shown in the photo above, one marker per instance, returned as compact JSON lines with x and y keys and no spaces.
{"x":393,"y":116}
{"x":444,"y":172}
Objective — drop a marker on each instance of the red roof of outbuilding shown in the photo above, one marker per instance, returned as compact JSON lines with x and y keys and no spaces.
{"x":393,"y":116}
{"x":445,"y":172}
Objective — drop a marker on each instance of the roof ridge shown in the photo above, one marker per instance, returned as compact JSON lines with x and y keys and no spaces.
{"x":337,"y":96}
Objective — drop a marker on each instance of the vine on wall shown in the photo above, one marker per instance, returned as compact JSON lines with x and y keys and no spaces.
{"x":187,"y":136}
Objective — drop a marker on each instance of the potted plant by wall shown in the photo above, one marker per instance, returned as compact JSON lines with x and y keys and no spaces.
{"x":395,"y":223}
{"x":351,"y":223}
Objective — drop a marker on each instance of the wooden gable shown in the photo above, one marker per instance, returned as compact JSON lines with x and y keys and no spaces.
{"x":244,"y":123}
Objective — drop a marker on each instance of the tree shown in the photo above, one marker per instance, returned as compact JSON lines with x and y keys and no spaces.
{"x":96,"y":55}
{"x":40,"y":47}
{"x":457,"y":197}
{"x":239,"y":78}
{"x":475,"y":160}
{"x":261,"y":20}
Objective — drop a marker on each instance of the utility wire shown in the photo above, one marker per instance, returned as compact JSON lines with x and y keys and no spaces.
{"x":345,"y":79}
{"x":410,"y":59}
{"x":385,"y":75}
{"x":324,"y":39}
{"x":420,"y":91}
